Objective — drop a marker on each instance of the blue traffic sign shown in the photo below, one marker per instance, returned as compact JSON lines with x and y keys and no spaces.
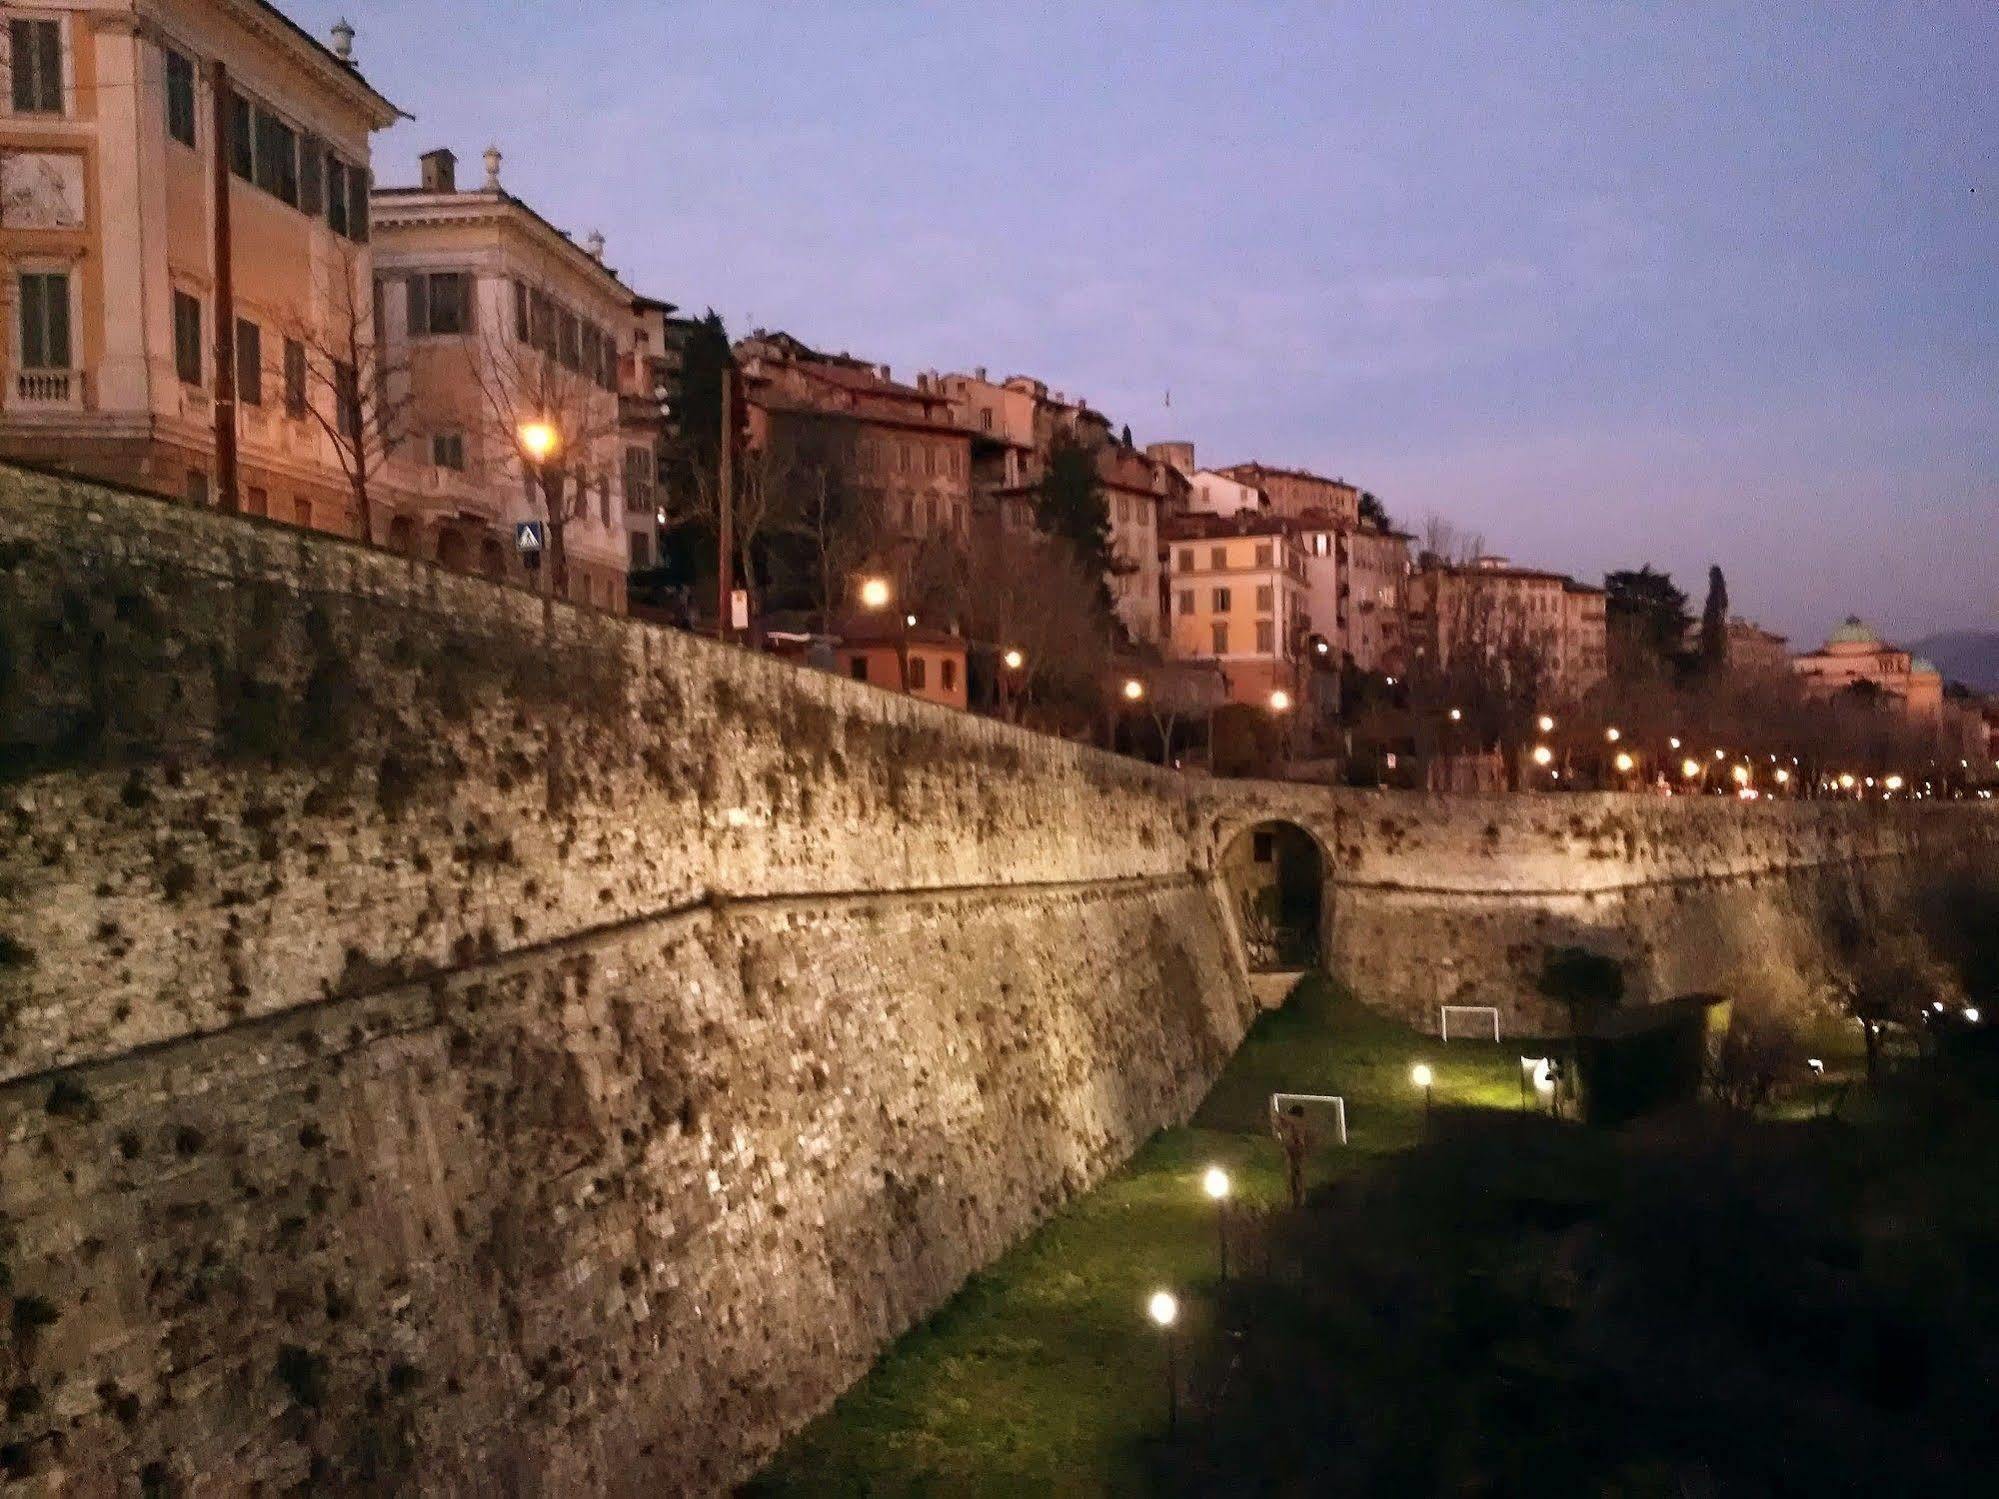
{"x":527,"y":536}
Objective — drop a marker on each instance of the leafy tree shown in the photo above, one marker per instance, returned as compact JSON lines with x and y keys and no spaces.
{"x":1646,"y":620}
{"x":694,"y":442}
{"x":1374,"y":513}
{"x":1069,"y":505}
{"x":1124,"y":437}
{"x":1714,"y":625}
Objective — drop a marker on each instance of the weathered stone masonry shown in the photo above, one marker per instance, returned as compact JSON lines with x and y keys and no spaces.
{"x":446,"y":1046}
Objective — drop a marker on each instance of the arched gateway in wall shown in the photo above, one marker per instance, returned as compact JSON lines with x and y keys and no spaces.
{"x":1274,"y":874}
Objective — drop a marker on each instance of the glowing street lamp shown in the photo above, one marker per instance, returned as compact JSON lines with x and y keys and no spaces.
{"x":1215,"y":1182}
{"x":1721,"y":754}
{"x":1164,"y":1310}
{"x":1783,"y":777}
{"x":1014,"y":660}
{"x":1624,"y":762}
{"x":1674,"y":742}
{"x":1457,"y":715}
{"x":1893,"y":783}
{"x":1545,"y":723}
{"x":1280,"y":701}
{"x":539,"y":439}
{"x":1690,"y":767}
{"x":1740,"y":775}
{"x":1846,"y":780}
{"x":1133,"y":689}
{"x":1542,"y":754}
{"x":1613,"y":733}
{"x":1424,"y":1078}
{"x":874,"y":593}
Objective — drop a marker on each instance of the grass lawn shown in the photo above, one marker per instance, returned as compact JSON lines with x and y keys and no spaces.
{"x":1042,"y":1375}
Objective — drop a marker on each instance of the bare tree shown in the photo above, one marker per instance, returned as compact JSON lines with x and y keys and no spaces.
{"x":1030,"y":594}
{"x":523,"y":383}
{"x":345,"y":378}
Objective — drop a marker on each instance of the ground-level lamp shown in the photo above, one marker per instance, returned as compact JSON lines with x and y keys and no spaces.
{"x":1164,"y":1310}
{"x":1215,"y":1182}
{"x":1424,"y":1078}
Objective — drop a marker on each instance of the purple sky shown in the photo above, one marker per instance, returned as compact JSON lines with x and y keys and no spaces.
{"x":1606,"y":284}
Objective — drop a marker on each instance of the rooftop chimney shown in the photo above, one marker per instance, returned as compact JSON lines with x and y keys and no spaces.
{"x":979,"y":374}
{"x":595,"y":245}
{"x":343,"y":41}
{"x":440,"y":171}
{"x":493,"y":169}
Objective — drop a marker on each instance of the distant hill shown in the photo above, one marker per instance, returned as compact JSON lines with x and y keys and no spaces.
{"x":1967,"y":656}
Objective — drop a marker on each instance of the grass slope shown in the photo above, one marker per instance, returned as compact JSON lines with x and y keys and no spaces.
{"x":1042,"y":1375}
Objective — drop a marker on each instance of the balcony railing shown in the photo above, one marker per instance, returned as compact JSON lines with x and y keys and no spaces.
{"x":48,"y":387}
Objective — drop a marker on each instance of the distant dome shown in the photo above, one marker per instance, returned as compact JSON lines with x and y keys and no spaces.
{"x":1922,"y":666}
{"x":1853,"y":632}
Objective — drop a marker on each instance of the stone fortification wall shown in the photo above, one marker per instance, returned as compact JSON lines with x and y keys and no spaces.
{"x":539,"y":1052}
{"x":441,"y":1040}
{"x":1454,"y":900}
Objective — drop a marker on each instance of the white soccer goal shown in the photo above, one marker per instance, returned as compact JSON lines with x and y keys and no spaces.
{"x":1307,"y":1105}
{"x":1491,"y":1012}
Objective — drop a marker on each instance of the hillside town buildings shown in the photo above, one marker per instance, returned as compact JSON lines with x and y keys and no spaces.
{"x":1490,"y":605}
{"x":165,"y":288}
{"x":1236,"y":597}
{"x":1854,"y":657}
{"x":493,"y":319}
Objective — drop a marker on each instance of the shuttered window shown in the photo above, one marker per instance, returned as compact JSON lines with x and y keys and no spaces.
{"x":440,"y":302}
{"x":294,"y":378}
{"x":187,"y":338}
{"x":249,"y":363}
{"x":36,"y":66}
{"x":336,"y":193}
{"x":242,"y":138}
{"x":180,"y":98}
{"x":277,"y":158}
{"x":44,"y":320}
{"x":311,"y":175}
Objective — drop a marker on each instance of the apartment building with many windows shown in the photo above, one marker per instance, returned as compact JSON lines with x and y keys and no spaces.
{"x":493,"y":318}
{"x":183,"y":212}
{"x":1487,"y":604}
{"x":1235,"y":595}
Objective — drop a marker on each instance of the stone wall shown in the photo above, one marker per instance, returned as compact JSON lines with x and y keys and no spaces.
{"x":441,"y":1039}
{"x":1439,"y":900}
{"x":543,"y":1053}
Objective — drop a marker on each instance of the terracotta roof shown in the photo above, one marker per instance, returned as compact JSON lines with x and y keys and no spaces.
{"x":1200,"y":526}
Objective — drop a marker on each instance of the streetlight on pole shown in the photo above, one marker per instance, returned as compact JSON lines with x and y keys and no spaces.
{"x":1164,"y":1310}
{"x":1424,"y":1078}
{"x":1215,"y":1182}
{"x":539,"y":442}
{"x":876,"y":596}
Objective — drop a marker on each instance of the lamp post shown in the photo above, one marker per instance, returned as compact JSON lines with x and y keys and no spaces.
{"x":1215,"y":1182}
{"x":1424,"y":1078}
{"x":1010,"y":664}
{"x":539,"y":442}
{"x":876,"y":596}
{"x":1164,"y":1310}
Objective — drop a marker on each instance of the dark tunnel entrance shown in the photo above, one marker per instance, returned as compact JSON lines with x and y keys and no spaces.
{"x":1276,"y":877}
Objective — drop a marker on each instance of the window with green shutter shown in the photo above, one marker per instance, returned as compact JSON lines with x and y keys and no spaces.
{"x":180,"y":98}
{"x":44,"y":317}
{"x":36,"y":66}
{"x":249,"y":363}
{"x":187,"y":338}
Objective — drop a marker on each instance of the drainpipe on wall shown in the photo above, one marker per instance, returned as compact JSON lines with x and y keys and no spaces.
{"x":225,"y":308}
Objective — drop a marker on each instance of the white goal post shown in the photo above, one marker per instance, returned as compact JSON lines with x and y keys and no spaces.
{"x":1319,"y":1103}
{"x":1444,"y":1024}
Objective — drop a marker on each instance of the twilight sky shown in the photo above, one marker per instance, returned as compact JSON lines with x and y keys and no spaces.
{"x":1608,"y":284}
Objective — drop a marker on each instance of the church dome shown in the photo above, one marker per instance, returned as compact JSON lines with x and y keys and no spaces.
{"x":1853,"y":632}
{"x":1922,"y":666}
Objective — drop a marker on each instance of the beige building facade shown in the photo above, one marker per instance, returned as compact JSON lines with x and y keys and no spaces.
{"x":1855,"y":656}
{"x":185,"y":213}
{"x":493,"y":318}
{"x":1235,"y":595}
{"x":1016,"y":421}
{"x":1489,"y":604}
